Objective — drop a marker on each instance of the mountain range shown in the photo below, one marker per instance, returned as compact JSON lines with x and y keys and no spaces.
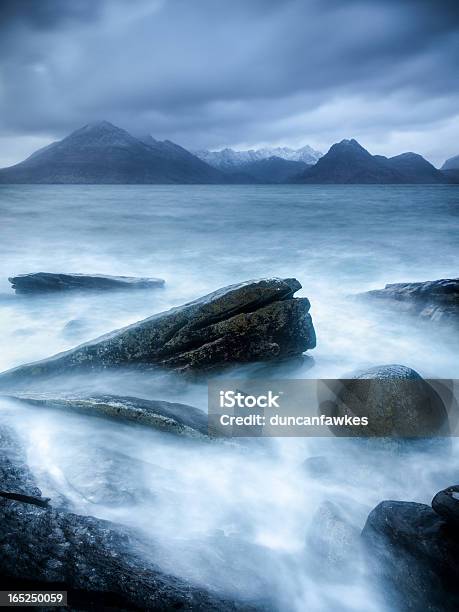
{"x":229,"y":159}
{"x":101,"y":153}
{"x":105,"y":154}
{"x":348,"y":162}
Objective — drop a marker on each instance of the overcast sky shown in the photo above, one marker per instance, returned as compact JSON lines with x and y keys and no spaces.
{"x":239,"y":73}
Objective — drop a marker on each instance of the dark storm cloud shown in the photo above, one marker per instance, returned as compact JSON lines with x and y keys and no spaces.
{"x":213,"y":72}
{"x":44,"y":14}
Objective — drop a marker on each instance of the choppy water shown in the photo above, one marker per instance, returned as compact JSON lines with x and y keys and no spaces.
{"x":337,"y":241}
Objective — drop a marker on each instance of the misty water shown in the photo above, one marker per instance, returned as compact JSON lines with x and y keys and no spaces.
{"x":239,"y":518}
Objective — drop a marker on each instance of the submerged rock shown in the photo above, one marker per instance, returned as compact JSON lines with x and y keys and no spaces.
{"x":434,"y":300}
{"x":397,"y":401}
{"x":45,"y":282}
{"x":171,"y":417}
{"x":334,"y":541}
{"x":414,"y":555}
{"x":252,"y":321}
{"x":103,"y":476}
{"x":75,"y":327}
{"x":92,"y":559}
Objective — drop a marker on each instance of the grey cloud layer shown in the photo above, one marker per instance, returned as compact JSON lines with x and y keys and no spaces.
{"x":212,"y":72}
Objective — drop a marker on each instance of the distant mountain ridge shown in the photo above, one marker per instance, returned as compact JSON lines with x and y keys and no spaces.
{"x":102,"y":153}
{"x":451,"y":169}
{"x":271,"y":170}
{"x":347,"y":162}
{"x":451,"y":164}
{"x":229,"y":159}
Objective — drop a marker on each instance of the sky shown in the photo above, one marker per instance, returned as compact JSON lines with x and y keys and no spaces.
{"x":237,"y":73}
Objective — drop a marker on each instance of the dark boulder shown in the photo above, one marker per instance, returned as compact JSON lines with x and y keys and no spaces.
{"x":170,"y":417}
{"x":93,"y":559}
{"x":397,"y":401}
{"x":47,"y":282}
{"x":432,"y":300}
{"x":413,"y":554}
{"x":446,"y":504}
{"x":252,"y":321}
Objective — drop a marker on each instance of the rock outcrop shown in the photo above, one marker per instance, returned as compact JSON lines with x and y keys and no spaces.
{"x":252,"y":321}
{"x":48,"y":282}
{"x":413,"y":553}
{"x":170,"y":417}
{"x":98,"y":562}
{"x":436,"y":300}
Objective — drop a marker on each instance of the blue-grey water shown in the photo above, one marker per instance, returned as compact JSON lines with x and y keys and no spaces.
{"x":338,"y":241}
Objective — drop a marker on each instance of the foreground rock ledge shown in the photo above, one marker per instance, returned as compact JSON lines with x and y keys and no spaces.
{"x":252,"y":321}
{"x":99,"y":562}
{"x":170,"y":417}
{"x":436,"y":300}
{"x":47,"y":282}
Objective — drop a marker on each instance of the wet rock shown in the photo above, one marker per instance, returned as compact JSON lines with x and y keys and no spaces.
{"x":446,"y":504}
{"x":46,"y":282}
{"x":89,"y":556}
{"x":397,"y":401}
{"x":413,"y":555}
{"x":433,"y":300}
{"x":253,"y":321}
{"x":170,"y":417}
{"x":15,"y":476}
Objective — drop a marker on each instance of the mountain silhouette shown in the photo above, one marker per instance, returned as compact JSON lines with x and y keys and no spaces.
{"x":104,"y":154}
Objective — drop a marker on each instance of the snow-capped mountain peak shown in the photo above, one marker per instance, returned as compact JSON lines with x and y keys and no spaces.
{"x":229,"y":158}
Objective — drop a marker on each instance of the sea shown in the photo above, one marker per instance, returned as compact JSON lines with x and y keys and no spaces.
{"x":244,"y":519}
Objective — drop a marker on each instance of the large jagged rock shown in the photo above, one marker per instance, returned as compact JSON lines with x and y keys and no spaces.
{"x":436,"y":300}
{"x":95,"y":560}
{"x":171,"y":417}
{"x":252,"y":321}
{"x":47,"y":282}
{"x":414,"y":557}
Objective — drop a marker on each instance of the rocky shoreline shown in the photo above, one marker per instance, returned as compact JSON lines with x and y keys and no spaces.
{"x":95,"y":560}
{"x":411,"y":549}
